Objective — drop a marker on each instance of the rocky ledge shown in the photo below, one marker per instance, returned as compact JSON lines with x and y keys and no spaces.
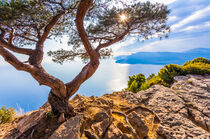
{"x":179,"y":112}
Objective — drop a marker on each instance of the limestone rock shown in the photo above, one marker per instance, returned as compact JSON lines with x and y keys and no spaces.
{"x":100,"y":127}
{"x":100,"y":116}
{"x":68,"y":130}
{"x":30,"y":120}
{"x":183,"y":109}
{"x":180,"y":78}
{"x":90,"y":135}
{"x":113,"y":133}
{"x":138,"y":124}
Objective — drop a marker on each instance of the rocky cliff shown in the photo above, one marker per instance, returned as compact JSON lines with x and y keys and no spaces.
{"x":179,"y":112}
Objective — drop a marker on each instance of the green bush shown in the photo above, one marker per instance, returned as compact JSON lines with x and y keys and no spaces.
{"x":199,"y":66}
{"x":6,"y":115}
{"x":197,"y":60}
{"x":135,"y":82}
{"x":154,"y":80}
{"x":150,"y":76}
{"x":169,"y":72}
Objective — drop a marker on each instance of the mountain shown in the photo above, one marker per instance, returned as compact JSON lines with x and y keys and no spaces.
{"x":163,"y":58}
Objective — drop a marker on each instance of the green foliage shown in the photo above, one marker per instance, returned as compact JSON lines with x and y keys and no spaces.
{"x":150,"y":76}
{"x":169,"y":71}
{"x":151,"y":82}
{"x":30,"y":17}
{"x":135,"y":82}
{"x":6,"y":115}
{"x":197,"y":60}
{"x":133,"y":87}
{"x":103,"y":25}
{"x":199,"y":66}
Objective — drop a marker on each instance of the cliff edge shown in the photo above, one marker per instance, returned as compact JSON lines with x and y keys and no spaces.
{"x":181,"y":111}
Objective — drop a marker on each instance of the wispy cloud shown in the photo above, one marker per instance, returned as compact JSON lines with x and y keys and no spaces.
{"x":163,"y":1}
{"x":117,"y":46}
{"x":172,"y":18}
{"x":154,"y":1}
{"x":195,"y":16}
{"x":195,"y":28}
{"x":176,"y":44}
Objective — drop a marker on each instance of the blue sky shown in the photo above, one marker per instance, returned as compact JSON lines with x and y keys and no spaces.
{"x":190,"y":26}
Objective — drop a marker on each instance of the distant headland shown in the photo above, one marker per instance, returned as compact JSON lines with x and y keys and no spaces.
{"x":163,"y":58}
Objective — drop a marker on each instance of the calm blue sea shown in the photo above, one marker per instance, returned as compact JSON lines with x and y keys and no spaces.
{"x":19,"y":90}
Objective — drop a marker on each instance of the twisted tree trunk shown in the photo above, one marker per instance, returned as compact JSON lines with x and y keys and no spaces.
{"x":60,"y":92}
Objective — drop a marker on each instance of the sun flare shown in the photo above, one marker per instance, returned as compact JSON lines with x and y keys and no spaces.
{"x":123,"y":17}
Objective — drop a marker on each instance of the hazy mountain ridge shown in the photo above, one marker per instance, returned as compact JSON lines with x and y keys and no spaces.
{"x":163,"y":58}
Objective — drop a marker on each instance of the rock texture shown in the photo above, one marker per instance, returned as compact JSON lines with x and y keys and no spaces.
{"x":179,"y":112}
{"x":69,"y":129}
{"x":183,"y":109}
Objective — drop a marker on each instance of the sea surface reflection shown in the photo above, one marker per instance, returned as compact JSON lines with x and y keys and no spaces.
{"x":19,"y":90}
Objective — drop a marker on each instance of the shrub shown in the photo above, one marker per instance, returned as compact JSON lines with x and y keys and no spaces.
{"x":169,"y":72}
{"x":154,"y":80}
{"x":197,"y":60}
{"x":199,"y":66}
{"x":6,"y":115}
{"x":135,"y":82}
{"x":150,"y":76}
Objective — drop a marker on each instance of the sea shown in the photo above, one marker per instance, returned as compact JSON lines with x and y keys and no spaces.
{"x":19,"y":90}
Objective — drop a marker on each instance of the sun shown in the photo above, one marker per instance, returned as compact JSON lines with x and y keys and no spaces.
{"x":123,"y":17}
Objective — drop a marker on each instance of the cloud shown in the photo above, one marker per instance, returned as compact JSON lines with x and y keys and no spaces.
{"x":195,"y":16}
{"x":116,"y":47}
{"x":196,"y":28}
{"x":172,"y":18}
{"x":176,"y":44}
{"x":163,"y":1}
{"x":153,"y":1}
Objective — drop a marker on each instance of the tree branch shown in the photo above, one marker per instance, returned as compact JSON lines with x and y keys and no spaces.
{"x":14,"y":48}
{"x":10,"y":58}
{"x":81,"y":12}
{"x":11,"y":47}
{"x":11,"y":35}
{"x":87,"y":71}
{"x":92,"y":66}
{"x":37,"y":57}
{"x":39,"y":73}
{"x":48,"y":28}
{"x":117,"y":39}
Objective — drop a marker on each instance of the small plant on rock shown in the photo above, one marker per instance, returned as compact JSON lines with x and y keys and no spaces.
{"x":6,"y":115}
{"x":135,"y":82}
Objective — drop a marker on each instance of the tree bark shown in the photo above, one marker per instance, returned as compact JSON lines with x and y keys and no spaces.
{"x":60,"y":105}
{"x":60,"y":92}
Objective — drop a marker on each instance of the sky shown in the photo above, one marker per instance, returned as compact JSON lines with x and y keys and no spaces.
{"x":190,"y":28}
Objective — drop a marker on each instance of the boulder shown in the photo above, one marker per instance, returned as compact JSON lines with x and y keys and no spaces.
{"x":100,"y":127}
{"x":138,"y":124}
{"x":181,"y":78}
{"x":69,"y":129}
{"x":113,"y":133}
{"x":100,"y":116}
{"x":30,"y":120}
